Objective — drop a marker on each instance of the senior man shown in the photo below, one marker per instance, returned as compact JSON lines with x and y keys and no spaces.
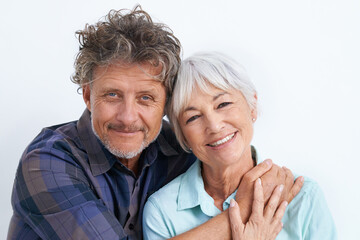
{"x":89,"y":179}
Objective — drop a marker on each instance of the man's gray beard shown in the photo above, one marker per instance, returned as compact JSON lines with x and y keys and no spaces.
{"x":122,"y":154}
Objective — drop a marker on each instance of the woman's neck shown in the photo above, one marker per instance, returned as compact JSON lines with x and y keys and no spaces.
{"x":221,"y":182}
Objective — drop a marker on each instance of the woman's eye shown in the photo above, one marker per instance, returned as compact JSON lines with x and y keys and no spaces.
{"x":224,"y":104}
{"x":192,"y":119}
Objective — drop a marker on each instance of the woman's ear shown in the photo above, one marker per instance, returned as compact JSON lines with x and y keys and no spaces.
{"x":254,"y":111}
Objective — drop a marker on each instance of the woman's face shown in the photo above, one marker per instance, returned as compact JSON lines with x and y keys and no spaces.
{"x":218,"y":126}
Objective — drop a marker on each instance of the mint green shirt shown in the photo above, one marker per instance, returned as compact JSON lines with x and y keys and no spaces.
{"x":184,"y":204}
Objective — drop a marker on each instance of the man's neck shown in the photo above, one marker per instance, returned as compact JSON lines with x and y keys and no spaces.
{"x":131,"y":163}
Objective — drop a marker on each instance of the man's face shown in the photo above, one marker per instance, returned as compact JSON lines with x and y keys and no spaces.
{"x":126,"y":106}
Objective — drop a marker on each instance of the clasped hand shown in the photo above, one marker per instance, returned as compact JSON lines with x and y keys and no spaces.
{"x":271,"y":189}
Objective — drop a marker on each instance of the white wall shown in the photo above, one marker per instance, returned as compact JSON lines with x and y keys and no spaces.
{"x":303,"y":56}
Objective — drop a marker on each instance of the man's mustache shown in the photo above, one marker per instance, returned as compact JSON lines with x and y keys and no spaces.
{"x":126,"y":128}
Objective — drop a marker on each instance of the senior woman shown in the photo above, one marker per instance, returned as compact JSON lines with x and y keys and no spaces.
{"x":213,"y":110}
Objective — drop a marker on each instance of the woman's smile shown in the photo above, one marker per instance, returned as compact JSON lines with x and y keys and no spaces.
{"x":221,"y":142}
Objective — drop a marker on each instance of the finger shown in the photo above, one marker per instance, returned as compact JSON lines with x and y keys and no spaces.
{"x":236,"y":225}
{"x":258,"y":170}
{"x":273,"y":202}
{"x":271,"y":179}
{"x":282,"y":174}
{"x":295,"y":188}
{"x":276,"y":228}
{"x":289,"y":182}
{"x":289,"y":174}
{"x":258,"y":203}
{"x":277,"y":225}
{"x":280,"y":211}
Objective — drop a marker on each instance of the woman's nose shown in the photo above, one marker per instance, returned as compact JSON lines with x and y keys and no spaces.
{"x":214,"y":123}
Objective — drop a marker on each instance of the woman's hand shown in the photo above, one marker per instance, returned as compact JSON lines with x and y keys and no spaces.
{"x":271,"y":176}
{"x":263,"y":224}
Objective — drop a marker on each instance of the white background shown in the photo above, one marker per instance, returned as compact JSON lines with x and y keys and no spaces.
{"x":303,"y":57}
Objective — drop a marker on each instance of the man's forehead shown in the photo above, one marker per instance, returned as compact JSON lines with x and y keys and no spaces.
{"x":149,"y":68}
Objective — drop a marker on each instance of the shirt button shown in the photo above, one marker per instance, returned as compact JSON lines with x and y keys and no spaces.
{"x":131,"y":226}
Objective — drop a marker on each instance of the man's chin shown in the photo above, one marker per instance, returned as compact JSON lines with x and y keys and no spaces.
{"x":126,"y":153}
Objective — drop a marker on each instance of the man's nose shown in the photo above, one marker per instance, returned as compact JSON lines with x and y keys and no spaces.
{"x":127,"y":112}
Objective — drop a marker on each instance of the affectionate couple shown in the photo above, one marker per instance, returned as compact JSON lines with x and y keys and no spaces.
{"x":122,"y":172}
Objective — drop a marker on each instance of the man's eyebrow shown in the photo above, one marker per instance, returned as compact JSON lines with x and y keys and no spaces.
{"x":214,"y":98}
{"x":151,"y":90}
{"x":110,"y":89}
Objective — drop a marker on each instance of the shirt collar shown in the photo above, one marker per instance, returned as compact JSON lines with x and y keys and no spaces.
{"x":192,"y":193}
{"x":192,"y":190}
{"x":101,"y":160}
{"x":98,"y":158}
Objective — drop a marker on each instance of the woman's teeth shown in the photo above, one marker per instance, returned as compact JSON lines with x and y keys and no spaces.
{"x":222,"y":141}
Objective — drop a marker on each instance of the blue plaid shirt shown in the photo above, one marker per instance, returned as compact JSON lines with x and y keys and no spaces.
{"x":68,"y":186}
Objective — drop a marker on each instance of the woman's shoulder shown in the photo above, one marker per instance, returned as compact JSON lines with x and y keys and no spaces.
{"x":168,"y":192}
{"x":309,"y":200}
{"x":308,"y":215}
{"x":310,"y":188}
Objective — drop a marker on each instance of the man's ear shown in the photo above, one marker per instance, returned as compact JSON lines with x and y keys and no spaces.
{"x":86,"y":91}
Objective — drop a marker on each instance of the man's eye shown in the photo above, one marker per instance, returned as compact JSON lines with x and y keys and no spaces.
{"x":193,"y":118}
{"x":224,"y":104}
{"x":145,"y":98}
{"x":111,"y":94}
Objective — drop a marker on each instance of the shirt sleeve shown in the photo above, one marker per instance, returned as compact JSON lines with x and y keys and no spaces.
{"x":53,"y":196}
{"x":321,"y":225}
{"x":154,"y":223}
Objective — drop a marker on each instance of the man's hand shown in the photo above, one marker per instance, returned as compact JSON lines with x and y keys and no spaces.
{"x":264,"y":224}
{"x":276,"y":176}
{"x":271,"y":176}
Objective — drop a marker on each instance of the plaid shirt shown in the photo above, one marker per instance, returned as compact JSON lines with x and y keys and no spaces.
{"x":68,"y":186}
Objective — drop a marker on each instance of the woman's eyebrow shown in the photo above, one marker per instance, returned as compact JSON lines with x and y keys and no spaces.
{"x":219,"y":95}
{"x":189,"y":108}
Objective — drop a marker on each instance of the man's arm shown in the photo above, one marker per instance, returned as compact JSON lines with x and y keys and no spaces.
{"x":53,"y":196}
{"x":219,"y":226}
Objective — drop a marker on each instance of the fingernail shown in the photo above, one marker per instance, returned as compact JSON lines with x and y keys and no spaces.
{"x":281,"y":188}
{"x":282,"y":224}
{"x":259,"y":181}
{"x":286,"y":203}
{"x":268,"y":162}
{"x":302,"y":179}
{"x":232,"y":202}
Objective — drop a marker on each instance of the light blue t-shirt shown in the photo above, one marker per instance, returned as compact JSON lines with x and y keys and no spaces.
{"x":183,"y":204}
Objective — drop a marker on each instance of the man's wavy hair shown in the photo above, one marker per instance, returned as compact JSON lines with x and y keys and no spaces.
{"x":129,"y":36}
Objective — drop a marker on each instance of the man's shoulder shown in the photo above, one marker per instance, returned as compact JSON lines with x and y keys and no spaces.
{"x":54,"y":133}
{"x":62,"y":138}
{"x":169,"y":135}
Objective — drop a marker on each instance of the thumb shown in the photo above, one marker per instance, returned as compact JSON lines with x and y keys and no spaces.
{"x":237,"y":226}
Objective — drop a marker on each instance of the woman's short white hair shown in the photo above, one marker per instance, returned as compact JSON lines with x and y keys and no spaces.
{"x":204,"y":69}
